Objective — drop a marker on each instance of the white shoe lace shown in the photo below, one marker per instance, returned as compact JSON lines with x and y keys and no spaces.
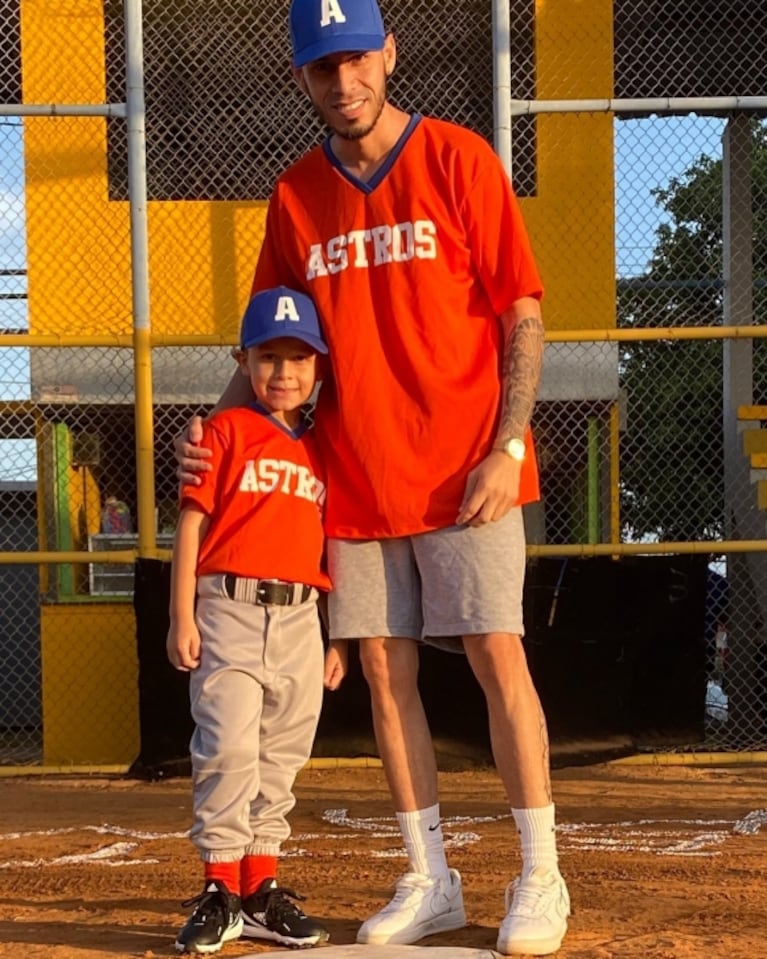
{"x":411,"y":882}
{"x":530,"y":897}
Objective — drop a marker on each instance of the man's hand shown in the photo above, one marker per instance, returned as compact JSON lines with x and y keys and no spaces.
{"x":492,"y":489}
{"x":190,"y":456}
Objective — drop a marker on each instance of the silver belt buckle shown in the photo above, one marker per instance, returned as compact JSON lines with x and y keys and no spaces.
{"x":263,"y":591}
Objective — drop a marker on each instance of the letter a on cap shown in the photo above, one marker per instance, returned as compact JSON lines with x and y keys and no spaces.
{"x":286,"y":310}
{"x":331,"y":11}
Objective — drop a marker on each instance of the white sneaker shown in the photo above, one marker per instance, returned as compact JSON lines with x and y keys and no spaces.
{"x":537,"y":908}
{"x":421,"y":906}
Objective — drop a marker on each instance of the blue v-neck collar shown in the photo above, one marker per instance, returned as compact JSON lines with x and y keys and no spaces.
{"x":295,"y":434}
{"x":367,"y":186}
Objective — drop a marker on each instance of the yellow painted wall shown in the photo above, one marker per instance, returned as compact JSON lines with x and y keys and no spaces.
{"x":90,"y":684}
{"x":202,"y":254}
{"x":572,"y":219}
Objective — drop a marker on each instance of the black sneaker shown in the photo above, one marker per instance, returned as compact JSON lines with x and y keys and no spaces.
{"x":269,"y":914}
{"x":216,"y":919}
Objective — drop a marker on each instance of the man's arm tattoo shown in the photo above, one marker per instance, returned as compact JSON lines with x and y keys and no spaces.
{"x":522,"y":363}
{"x":546,"y":758}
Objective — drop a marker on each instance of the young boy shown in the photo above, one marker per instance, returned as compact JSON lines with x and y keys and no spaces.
{"x":247,"y":568}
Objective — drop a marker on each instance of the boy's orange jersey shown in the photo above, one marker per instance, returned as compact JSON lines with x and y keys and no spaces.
{"x":264,"y":497}
{"x":410,"y":273}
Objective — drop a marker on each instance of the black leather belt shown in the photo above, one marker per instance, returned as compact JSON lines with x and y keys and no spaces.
{"x":265,"y":592}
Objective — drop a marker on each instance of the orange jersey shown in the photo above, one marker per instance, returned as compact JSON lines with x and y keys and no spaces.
{"x":410,"y":273}
{"x":264,"y":497}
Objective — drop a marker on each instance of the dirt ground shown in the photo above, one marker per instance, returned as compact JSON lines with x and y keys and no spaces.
{"x":663,"y":862}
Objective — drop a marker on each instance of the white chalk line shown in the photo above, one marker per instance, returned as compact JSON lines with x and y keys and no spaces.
{"x":105,"y":828}
{"x":112,"y":855}
{"x":663,"y":837}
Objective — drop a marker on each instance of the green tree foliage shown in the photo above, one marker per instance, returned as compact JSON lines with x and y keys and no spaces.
{"x":672,"y":449}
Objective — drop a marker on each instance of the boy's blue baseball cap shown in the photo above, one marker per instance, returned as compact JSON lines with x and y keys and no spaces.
{"x":281,"y":312}
{"x":321,"y":27}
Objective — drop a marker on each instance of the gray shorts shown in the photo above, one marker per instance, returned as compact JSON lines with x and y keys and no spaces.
{"x":436,"y":586}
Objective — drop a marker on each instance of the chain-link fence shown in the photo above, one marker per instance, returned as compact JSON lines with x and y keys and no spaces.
{"x":648,"y":214}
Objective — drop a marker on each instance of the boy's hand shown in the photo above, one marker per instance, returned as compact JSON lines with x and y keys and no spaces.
{"x":183,"y":647}
{"x":190,"y":456}
{"x":336,"y":663}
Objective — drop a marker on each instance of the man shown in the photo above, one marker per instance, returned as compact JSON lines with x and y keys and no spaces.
{"x":406,"y":233}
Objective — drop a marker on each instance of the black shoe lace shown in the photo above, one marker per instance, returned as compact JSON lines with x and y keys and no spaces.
{"x":208,"y":903}
{"x":279,"y":906}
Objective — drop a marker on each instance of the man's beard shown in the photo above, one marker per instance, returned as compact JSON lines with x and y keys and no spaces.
{"x":354,"y":132}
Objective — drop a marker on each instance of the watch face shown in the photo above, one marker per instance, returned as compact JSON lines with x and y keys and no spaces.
{"x":516,"y":449}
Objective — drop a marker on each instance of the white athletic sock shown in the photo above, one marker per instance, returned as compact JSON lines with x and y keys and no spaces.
{"x":422,"y":833}
{"x":537,"y":835}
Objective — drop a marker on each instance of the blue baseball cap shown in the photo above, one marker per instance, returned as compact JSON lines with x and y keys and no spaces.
{"x":281,"y":312}
{"x":321,"y":27}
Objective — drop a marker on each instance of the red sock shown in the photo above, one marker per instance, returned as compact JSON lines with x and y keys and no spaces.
{"x":226,"y":872}
{"x":254,"y":870}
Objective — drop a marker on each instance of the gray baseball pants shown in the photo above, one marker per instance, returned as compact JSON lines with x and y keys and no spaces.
{"x":255,"y":699}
